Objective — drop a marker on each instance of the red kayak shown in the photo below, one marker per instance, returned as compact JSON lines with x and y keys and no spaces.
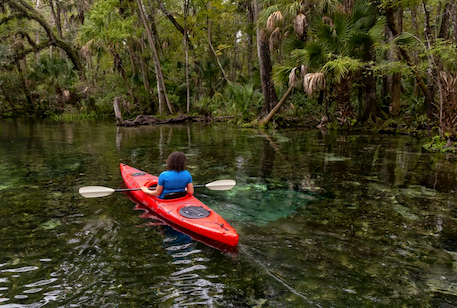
{"x":187,"y":212}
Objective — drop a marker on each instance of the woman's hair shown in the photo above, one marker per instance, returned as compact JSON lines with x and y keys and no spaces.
{"x":176,"y":161}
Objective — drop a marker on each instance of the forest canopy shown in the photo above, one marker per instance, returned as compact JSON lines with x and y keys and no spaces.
{"x":323,"y":62}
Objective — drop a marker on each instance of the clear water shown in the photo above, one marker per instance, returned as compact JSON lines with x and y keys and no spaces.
{"x":325,"y":219}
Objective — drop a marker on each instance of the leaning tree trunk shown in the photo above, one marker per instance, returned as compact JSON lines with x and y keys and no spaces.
{"x":270,"y":115}
{"x":163,"y":97}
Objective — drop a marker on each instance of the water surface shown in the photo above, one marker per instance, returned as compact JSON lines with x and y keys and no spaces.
{"x":325,"y":219}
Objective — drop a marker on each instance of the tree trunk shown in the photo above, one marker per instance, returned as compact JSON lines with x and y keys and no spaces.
{"x":55,"y":10}
{"x":269,"y":94}
{"x":394,"y":82}
{"x":144,"y":74}
{"x":250,"y":30}
{"x":162,"y":92}
{"x":117,"y":111}
{"x":431,"y":69}
{"x":270,"y":98}
{"x":186,"y":44}
{"x":445,"y":22}
{"x":388,"y":80}
{"x":372,"y":108}
{"x":270,"y":115}
{"x":402,"y":52}
{"x":188,"y":41}
{"x":119,"y":66}
{"x":29,"y":107}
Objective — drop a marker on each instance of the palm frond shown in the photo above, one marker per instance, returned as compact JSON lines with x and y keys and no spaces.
{"x":363,"y":16}
{"x":275,"y":39}
{"x":341,"y":67}
{"x":292,"y":43}
{"x":313,"y":82}
{"x":294,"y":77}
{"x":312,"y":55}
{"x":377,"y":31}
{"x":265,"y":14}
{"x":280,"y":75}
{"x":300,"y":25}
{"x":274,"y":20}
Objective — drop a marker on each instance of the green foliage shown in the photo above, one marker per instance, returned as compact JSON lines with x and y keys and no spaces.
{"x":311,"y":55}
{"x":118,"y":60}
{"x":302,"y":106}
{"x":341,"y":67}
{"x":281,"y":75}
{"x":441,"y":144}
{"x":53,"y":70}
{"x":388,"y":68}
{"x":79,"y":116}
{"x":106,"y":25}
{"x":5,"y":54}
{"x":445,"y":51}
{"x":212,"y":106}
{"x":244,"y":102}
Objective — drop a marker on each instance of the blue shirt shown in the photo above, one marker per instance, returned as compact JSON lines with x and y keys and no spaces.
{"x":174,"y":181}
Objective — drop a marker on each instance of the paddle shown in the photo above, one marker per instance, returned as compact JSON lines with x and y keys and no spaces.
{"x":100,"y":191}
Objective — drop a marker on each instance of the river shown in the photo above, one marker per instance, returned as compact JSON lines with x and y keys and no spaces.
{"x":325,"y":219}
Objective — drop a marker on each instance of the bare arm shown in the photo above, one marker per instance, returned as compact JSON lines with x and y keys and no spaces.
{"x":190,"y":189}
{"x":155,"y":192}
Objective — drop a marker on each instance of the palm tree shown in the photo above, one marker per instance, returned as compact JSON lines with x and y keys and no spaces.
{"x":283,"y":20}
{"x":341,"y":46}
{"x":367,"y":30}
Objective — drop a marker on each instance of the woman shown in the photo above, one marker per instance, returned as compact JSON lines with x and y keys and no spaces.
{"x":176,"y":179}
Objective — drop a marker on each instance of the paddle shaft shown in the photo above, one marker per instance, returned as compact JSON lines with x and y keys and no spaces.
{"x":100,"y":191}
{"x":133,"y":189}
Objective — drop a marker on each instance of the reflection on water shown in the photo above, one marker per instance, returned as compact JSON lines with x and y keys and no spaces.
{"x":189,"y":284}
{"x":325,"y":220}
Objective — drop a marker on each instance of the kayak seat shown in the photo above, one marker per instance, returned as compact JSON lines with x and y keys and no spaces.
{"x":174,"y":195}
{"x":194,"y":212}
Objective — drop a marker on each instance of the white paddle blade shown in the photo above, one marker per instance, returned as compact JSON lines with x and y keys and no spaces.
{"x":95,"y":191}
{"x":221,"y":185}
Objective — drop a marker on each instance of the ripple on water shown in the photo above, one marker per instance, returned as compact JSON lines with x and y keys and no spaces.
{"x":34,"y":294}
{"x":189,"y":284}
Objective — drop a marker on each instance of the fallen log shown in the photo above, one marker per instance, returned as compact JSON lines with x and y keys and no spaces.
{"x":150,"y":120}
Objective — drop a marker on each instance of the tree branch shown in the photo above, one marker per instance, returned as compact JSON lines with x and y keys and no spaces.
{"x":175,"y":23}
{"x":24,"y":10}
